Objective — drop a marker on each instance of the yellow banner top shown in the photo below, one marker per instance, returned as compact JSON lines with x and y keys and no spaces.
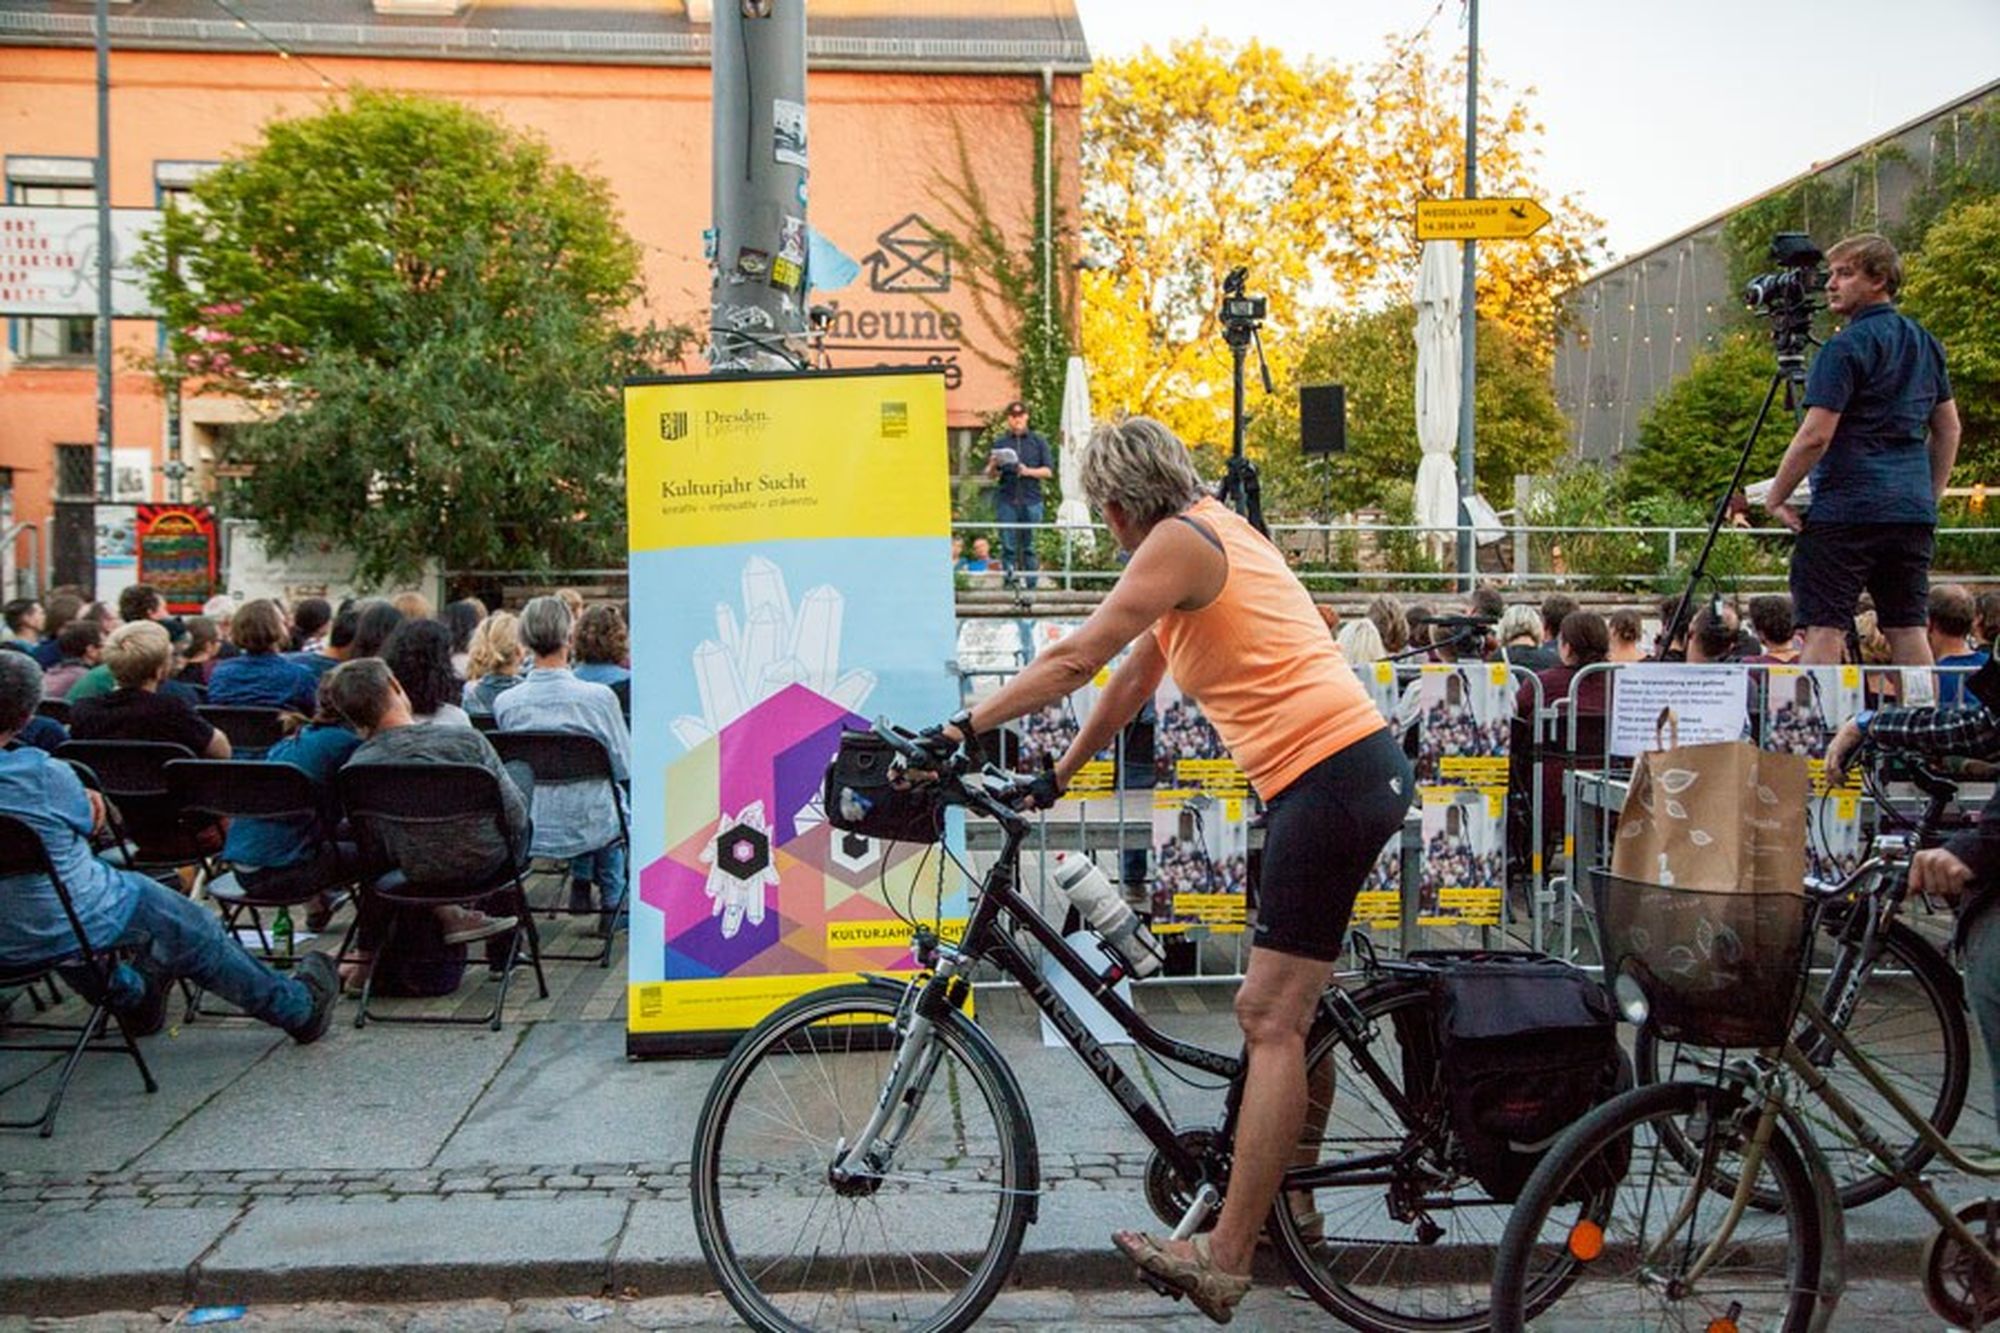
{"x":721,"y":461}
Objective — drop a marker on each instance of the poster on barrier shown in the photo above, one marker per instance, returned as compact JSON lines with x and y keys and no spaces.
{"x":1380,"y":902}
{"x":790,"y":576}
{"x":1462,"y":724}
{"x":1186,"y":749}
{"x":1050,"y":732}
{"x":1379,"y":679}
{"x":1803,"y":707}
{"x":1465,"y":856}
{"x":1669,"y":704}
{"x":1201,"y":862}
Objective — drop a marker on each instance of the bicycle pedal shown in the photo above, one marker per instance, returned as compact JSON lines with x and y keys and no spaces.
{"x":1162,"y":1286}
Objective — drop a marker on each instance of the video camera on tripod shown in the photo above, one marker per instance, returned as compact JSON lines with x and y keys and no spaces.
{"x":1787,"y":296}
{"x":1242,"y":315}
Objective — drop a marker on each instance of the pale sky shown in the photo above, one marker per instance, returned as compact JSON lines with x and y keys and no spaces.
{"x":1659,"y":115}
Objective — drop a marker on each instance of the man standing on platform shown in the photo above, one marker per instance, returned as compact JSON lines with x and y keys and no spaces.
{"x":1879,"y":438}
{"x":1021,"y":459}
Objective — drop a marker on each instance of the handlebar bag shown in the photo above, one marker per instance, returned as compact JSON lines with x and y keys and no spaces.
{"x":860,"y":797}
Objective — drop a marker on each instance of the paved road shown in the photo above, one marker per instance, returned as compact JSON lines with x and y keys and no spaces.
{"x":1879,"y":1307}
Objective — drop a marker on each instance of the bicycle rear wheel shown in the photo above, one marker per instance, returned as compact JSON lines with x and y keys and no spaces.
{"x":923,"y":1244}
{"x":1405,"y":1241}
{"x":1909,"y":1019}
{"x":1636,"y":1263}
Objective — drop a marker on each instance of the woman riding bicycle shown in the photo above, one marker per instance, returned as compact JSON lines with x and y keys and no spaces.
{"x":1208,"y":598}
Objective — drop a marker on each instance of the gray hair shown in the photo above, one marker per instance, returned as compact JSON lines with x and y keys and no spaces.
{"x":1360,"y":642}
{"x":20,"y":689}
{"x":1517,"y":620}
{"x":1143,"y":466}
{"x":545,"y":626}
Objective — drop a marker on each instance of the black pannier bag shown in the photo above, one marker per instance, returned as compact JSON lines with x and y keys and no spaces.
{"x":1526,"y":1044}
{"x":859,"y":797}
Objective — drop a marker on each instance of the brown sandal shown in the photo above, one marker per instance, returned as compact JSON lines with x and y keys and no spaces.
{"x":1212,"y":1291}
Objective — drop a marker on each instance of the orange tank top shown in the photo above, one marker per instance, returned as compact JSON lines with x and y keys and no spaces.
{"x":1260,"y":662}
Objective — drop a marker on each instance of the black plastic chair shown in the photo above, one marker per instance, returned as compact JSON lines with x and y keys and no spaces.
{"x":254,"y":789}
{"x":436,"y":799}
{"x":485,"y":722}
{"x":22,"y":853}
{"x":58,"y":709}
{"x":251,"y":731}
{"x":557,"y":758}
{"x":153,"y":830}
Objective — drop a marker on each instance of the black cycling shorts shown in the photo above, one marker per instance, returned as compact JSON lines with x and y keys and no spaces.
{"x":1321,"y":837}
{"x":1833,"y":562}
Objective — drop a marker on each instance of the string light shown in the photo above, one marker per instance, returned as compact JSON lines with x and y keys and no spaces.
{"x":284,"y":52}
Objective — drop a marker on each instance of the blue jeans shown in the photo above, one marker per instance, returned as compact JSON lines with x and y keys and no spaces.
{"x":1981,"y":962}
{"x":1017,"y":544}
{"x":177,"y":938}
{"x":605,"y":868}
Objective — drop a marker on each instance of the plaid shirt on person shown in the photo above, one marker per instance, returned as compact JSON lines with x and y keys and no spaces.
{"x":1968,"y":731}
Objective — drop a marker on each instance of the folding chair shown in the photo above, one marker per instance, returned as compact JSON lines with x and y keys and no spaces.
{"x":435,"y":797}
{"x":254,"y":789}
{"x":59,"y":709}
{"x":251,"y":731}
{"x":485,"y":722}
{"x":556,"y":758}
{"x":152,"y":830}
{"x":22,"y":853}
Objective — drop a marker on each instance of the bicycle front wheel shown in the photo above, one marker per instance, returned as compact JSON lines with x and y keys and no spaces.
{"x":1907,"y":1016}
{"x":1665,"y":1255}
{"x":923,"y":1242}
{"x":1392,"y":1236}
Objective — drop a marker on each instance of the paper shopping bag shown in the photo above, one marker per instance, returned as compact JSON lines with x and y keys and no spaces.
{"x":1724,"y":816}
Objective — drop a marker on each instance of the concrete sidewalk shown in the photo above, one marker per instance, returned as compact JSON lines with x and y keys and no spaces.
{"x":425,"y":1164}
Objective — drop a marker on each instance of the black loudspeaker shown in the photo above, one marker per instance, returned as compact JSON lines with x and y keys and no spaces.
{"x":1323,"y":418}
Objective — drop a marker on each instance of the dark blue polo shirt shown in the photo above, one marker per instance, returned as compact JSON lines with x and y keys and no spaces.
{"x":1883,"y":374}
{"x":1034,"y":450}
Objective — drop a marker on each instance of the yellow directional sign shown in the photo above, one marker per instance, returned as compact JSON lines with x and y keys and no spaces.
{"x":1479,"y":219}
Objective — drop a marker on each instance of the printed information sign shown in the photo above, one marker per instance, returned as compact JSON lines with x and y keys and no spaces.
{"x":790,"y":575}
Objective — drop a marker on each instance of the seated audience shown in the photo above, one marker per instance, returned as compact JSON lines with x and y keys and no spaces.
{"x":97,"y":680}
{"x":412,"y":605}
{"x":198,"y":652}
{"x":1771,"y":619}
{"x":1385,"y":612}
{"x":1585,"y":638}
{"x":494,"y":663}
{"x":309,"y":621}
{"x":61,"y":609}
{"x":1555,"y":609}
{"x":419,"y":653}
{"x":336,"y":647}
{"x":1985,"y":631}
{"x":1627,"y":629}
{"x":25,"y":618}
{"x":1520,"y":635}
{"x":275,"y":855}
{"x":1360,"y":642}
{"x":462,"y":619}
{"x":603,"y":649}
{"x":173,"y":938}
{"x":573,"y":821}
{"x":376,"y":621}
{"x":257,"y":677}
{"x":980,"y":561}
{"x":1949,"y":616}
{"x":1712,"y":638}
{"x":82,"y":645}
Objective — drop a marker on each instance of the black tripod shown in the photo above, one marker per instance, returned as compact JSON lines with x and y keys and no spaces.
{"x":1791,"y":375}
{"x":1242,"y":316}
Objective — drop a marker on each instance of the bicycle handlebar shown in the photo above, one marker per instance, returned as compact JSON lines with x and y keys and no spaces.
{"x":990,"y":789}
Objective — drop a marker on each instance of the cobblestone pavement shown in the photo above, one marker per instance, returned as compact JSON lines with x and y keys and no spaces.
{"x":47,"y":1191}
{"x":1880,"y":1307}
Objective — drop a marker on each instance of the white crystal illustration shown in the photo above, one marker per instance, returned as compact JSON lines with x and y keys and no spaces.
{"x":766,"y":645}
{"x":740,"y":867}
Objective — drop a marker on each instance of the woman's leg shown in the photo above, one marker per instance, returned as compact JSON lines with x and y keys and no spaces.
{"x":1275,"y":1009}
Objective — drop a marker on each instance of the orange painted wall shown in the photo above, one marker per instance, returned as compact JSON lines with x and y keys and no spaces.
{"x":881,"y":144}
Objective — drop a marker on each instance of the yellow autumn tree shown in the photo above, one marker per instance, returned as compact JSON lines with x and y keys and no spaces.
{"x":1213,"y":155}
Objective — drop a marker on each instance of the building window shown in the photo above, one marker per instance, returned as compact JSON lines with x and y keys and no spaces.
{"x":52,"y":339}
{"x":76,"y":472}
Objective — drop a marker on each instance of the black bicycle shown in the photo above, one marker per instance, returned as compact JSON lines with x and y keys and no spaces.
{"x":866,"y":1159}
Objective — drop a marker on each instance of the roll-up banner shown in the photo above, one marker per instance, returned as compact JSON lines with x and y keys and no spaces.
{"x":791,"y":575}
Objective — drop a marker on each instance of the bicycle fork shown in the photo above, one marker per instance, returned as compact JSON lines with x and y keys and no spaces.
{"x":863,"y":1162}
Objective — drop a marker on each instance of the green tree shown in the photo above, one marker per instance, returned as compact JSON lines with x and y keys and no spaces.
{"x":1950,"y":290}
{"x":1690,"y":437}
{"x":1520,"y":429}
{"x":427,"y":310}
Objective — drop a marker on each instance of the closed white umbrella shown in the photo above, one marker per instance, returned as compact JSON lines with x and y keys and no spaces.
{"x":1074,"y":512}
{"x":1438,"y":389}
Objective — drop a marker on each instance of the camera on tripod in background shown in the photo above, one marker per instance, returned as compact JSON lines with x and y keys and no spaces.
{"x":1787,"y":294}
{"x":1241,"y":315}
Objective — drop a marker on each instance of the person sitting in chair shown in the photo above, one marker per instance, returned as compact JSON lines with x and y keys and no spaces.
{"x":172,"y":938}
{"x":577,"y":822}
